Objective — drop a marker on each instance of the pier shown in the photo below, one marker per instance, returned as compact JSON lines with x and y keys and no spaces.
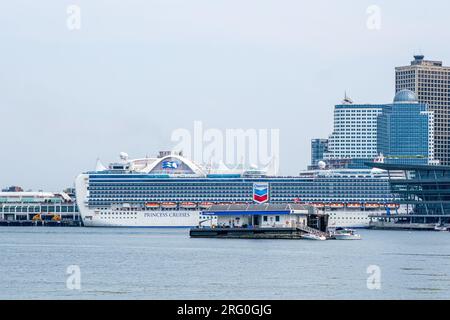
{"x":30,"y":223}
{"x":407,"y":221}
{"x":291,"y":221}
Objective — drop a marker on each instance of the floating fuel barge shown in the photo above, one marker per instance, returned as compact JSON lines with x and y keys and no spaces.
{"x":264,"y":221}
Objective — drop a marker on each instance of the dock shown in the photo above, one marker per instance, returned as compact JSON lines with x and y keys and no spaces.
{"x":42,"y":223}
{"x":264,"y":221}
{"x":405,"y":222}
{"x":252,"y":233}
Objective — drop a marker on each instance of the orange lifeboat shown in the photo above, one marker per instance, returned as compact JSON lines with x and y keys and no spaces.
{"x":353,"y":205}
{"x":152,"y":205}
{"x":169,"y":205}
{"x":205,"y":205}
{"x":372,"y":205}
{"x":336,"y":205}
{"x":188,"y":205}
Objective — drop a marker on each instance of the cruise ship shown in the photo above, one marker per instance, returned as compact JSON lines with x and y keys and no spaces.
{"x":172,"y":191}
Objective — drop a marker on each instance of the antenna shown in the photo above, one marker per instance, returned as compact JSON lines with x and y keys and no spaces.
{"x":347,"y":100}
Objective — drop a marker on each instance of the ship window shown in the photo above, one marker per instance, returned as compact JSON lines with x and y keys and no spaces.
{"x":265,"y":218}
{"x":277,"y":218}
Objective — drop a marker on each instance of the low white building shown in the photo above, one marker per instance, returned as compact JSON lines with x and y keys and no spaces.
{"x":264,"y":216}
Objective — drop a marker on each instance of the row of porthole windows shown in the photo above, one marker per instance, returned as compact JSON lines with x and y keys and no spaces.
{"x":352,"y":218}
{"x":112,"y":217}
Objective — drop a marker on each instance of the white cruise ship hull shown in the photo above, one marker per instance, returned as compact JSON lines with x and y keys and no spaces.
{"x":156,"y":219}
{"x":350,"y":218}
{"x":354,"y":218}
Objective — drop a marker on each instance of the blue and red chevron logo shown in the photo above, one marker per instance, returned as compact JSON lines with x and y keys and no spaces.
{"x":261,"y":192}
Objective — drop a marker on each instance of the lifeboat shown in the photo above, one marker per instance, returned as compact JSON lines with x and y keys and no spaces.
{"x":188,"y":205}
{"x":36,"y":217}
{"x":336,"y":205}
{"x":152,"y":205}
{"x":392,"y":205}
{"x":169,"y":205}
{"x":205,"y":205}
{"x":318,"y":205}
{"x":372,"y":205}
{"x":353,"y":205}
{"x":56,"y":217}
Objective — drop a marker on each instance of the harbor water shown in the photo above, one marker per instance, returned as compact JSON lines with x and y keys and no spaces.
{"x":39,"y":263}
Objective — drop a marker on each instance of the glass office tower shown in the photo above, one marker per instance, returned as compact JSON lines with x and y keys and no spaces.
{"x":405,"y":131}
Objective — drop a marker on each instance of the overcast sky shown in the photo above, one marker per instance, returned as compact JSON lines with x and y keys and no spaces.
{"x":137,"y":70}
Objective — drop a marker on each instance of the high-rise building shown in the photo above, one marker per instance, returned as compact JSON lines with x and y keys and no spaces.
{"x":318,"y":148}
{"x":355,"y":133}
{"x":430,"y":80}
{"x":405,"y":131}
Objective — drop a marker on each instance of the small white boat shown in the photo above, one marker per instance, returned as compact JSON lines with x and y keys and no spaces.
{"x":440,"y":227}
{"x":346,"y":234}
{"x":312,"y":236}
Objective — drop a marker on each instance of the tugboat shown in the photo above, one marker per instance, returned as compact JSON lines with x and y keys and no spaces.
{"x":345,"y":234}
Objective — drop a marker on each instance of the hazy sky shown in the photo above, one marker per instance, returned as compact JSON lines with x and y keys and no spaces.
{"x":137,"y":70}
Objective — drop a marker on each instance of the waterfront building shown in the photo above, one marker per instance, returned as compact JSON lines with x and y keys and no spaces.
{"x":265,"y":216}
{"x":267,"y":221}
{"x":424,"y":190}
{"x":406,"y":131}
{"x":37,"y":206}
{"x":430,"y":80}
{"x":318,"y":148}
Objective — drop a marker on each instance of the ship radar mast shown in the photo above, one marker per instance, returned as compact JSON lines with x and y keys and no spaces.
{"x":123,"y":156}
